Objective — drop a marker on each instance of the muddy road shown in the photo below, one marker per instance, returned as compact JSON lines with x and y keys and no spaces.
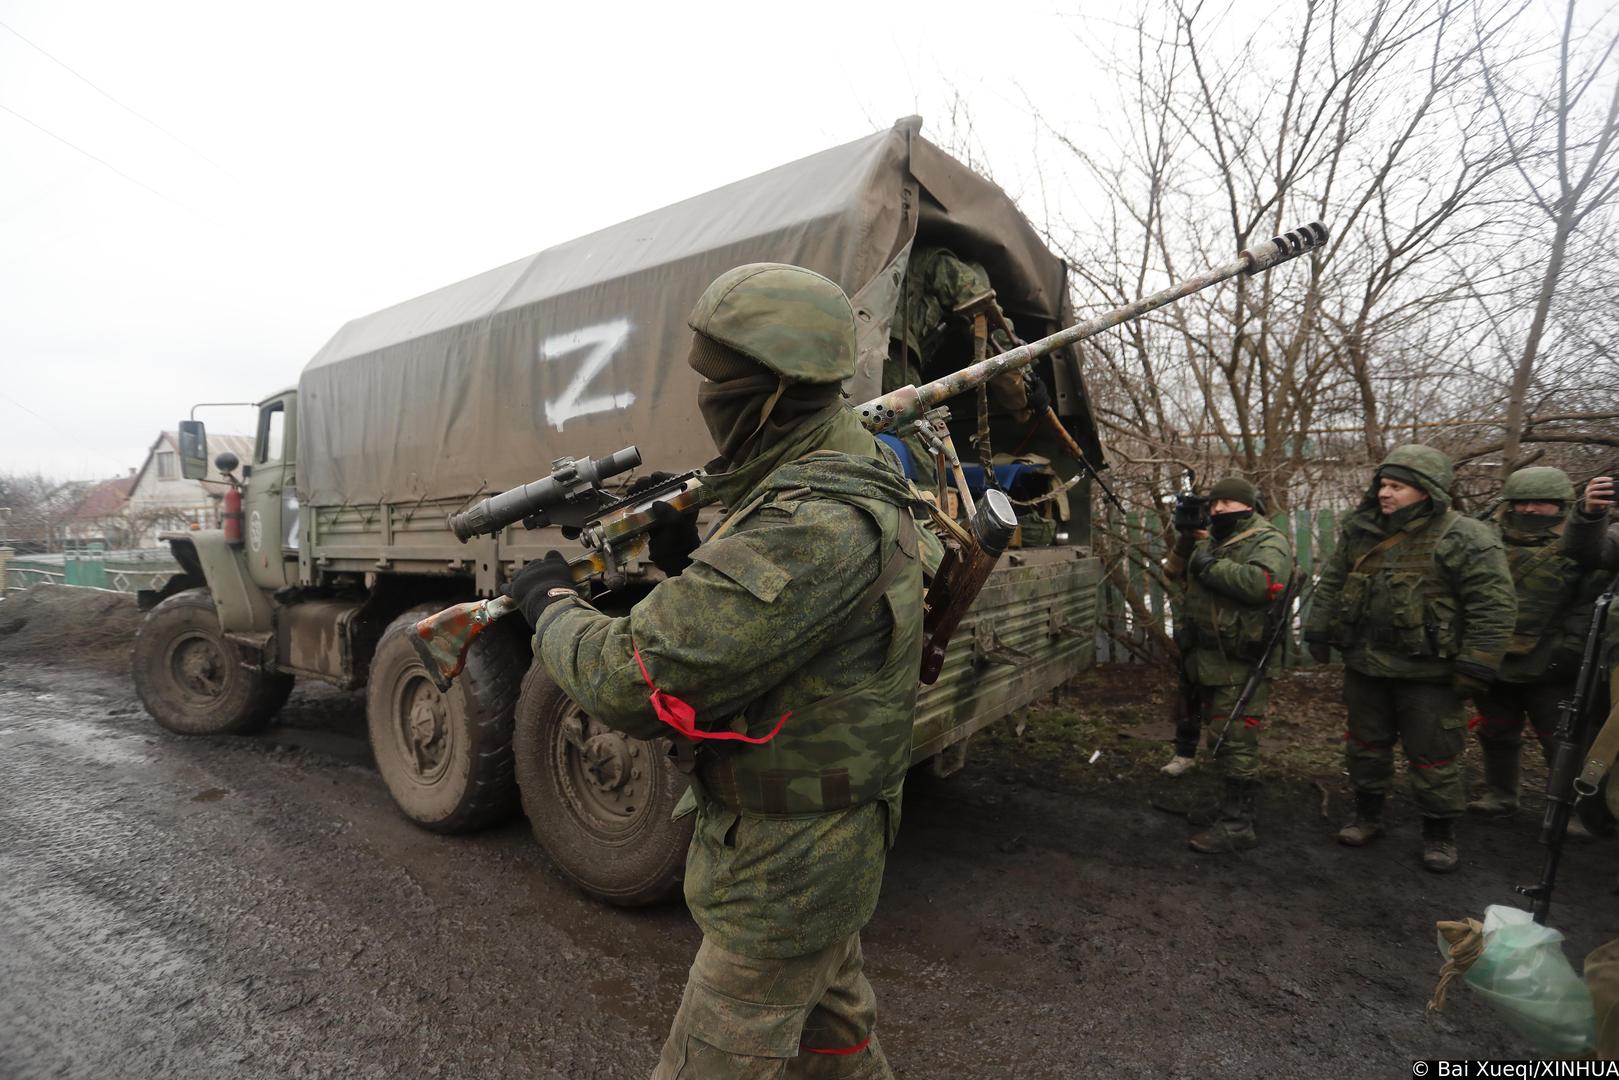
{"x":255,"y":907}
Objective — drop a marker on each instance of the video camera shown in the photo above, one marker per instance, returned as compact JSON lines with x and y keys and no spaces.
{"x":1191,"y":512}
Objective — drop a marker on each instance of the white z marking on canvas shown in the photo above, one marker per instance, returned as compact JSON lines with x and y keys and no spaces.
{"x":602,"y":341}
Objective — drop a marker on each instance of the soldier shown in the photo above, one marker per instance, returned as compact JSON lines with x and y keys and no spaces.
{"x":1232,"y":573}
{"x":1543,"y":658}
{"x":938,"y":298}
{"x":787,"y":648}
{"x":1419,"y":599}
{"x":1590,"y":541}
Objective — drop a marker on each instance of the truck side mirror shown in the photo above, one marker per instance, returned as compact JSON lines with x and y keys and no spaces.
{"x":193,"y":450}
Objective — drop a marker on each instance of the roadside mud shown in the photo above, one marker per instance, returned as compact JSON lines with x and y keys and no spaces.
{"x":255,"y":907}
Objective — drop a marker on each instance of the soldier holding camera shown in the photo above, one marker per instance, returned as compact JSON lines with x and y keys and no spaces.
{"x":1234,"y":564}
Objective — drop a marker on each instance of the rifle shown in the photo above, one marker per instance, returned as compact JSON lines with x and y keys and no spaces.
{"x":1566,"y":781}
{"x":1276,"y":625}
{"x":617,"y":534}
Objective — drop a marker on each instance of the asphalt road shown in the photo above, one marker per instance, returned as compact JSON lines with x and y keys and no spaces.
{"x":255,"y":907}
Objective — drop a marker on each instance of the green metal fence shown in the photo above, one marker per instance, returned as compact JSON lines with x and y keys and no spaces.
{"x":119,"y":571}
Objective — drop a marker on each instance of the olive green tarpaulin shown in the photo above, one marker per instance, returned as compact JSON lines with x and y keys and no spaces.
{"x":581,"y":348}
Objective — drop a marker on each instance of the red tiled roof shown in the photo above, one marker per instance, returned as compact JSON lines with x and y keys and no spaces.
{"x":103,"y":499}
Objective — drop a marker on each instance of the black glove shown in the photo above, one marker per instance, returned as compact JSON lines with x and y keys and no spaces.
{"x":673,"y":536}
{"x":533,"y":585}
{"x":1039,"y":396}
{"x":1471,"y":679}
{"x":1320,"y":651}
{"x":1200,"y":561}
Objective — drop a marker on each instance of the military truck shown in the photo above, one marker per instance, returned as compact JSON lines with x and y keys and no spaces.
{"x":416,"y":411}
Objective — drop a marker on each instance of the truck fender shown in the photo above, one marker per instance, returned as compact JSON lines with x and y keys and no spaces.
{"x":243,"y":607}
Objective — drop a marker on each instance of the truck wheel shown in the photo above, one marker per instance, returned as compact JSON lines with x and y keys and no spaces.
{"x":446,"y":757}
{"x":190,"y":676}
{"x":599,"y":801}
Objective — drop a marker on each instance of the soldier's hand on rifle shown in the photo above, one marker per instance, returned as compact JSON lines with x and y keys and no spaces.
{"x":539,"y":585}
{"x":1320,"y":651}
{"x":1200,"y":562}
{"x":673,"y":537}
{"x":1039,"y":396}
{"x":1598,"y":495}
{"x":1470,"y":679}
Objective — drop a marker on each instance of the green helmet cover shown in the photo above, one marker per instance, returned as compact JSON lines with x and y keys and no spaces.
{"x":1540,"y":483}
{"x":792,"y":320}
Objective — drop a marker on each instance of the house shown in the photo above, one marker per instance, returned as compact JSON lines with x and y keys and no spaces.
{"x":161,"y":500}
{"x":99,"y":515}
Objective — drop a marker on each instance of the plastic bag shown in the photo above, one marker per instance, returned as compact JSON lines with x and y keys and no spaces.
{"x":1525,"y":977}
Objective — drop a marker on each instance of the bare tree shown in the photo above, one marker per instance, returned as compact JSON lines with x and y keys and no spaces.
{"x":1568,"y":182}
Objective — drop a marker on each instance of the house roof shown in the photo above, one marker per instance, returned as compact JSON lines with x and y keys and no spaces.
{"x":240,"y":445}
{"x":103,"y":499}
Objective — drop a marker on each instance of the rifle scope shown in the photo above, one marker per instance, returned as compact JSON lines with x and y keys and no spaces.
{"x":570,"y":478}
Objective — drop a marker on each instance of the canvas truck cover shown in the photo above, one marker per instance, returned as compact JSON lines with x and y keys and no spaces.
{"x":581,"y":349}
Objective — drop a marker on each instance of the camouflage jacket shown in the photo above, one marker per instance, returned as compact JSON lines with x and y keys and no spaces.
{"x":1443,"y":593}
{"x":762,"y":624}
{"x":1594,"y":544}
{"x":1221,"y":628}
{"x":937,"y":286}
{"x":1554,"y":604}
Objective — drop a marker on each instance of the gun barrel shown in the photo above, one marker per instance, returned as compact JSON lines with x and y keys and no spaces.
{"x":910,"y":402}
{"x":569,"y":477}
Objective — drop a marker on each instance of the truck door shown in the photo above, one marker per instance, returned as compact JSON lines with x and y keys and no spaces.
{"x":270,"y":504}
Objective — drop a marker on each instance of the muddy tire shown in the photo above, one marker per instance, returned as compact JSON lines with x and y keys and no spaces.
{"x":599,"y":801}
{"x":190,"y":676}
{"x":446,"y":757}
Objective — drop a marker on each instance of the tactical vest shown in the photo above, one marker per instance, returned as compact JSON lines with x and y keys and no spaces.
{"x":1219,"y":623}
{"x":1552,"y":607}
{"x":855,"y":746}
{"x":1397,"y":600}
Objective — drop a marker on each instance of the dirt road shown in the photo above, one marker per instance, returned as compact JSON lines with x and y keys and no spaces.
{"x":255,"y":907}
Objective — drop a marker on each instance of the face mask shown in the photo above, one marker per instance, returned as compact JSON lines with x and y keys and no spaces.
{"x":1223,"y":525}
{"x":1532,"y":523}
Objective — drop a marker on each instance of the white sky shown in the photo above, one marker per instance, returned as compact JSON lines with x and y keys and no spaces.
{"x":330,"y":159}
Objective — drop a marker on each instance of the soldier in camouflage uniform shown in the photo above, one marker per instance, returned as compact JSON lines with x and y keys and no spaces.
{"x":1589,"y":539}
{"x":938,"y":298}
{"x":1419,"y":599}
{"x":795,"y":633}
{"x":1543,"y":658}
{"x":1232,"y":574}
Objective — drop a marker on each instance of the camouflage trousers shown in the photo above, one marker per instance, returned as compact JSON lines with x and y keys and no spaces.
{"x":1426,"y":718}
{"x":1238,"y":755}
{"x":1502,"y":712}
{"x":743,"y":1018}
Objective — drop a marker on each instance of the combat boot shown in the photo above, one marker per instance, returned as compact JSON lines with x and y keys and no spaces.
{"x":1179,"y":765}
{"x":1367,"y":824}
{"x":1202,"y":815}
{"x":1439,"y":844}
{"x":1500,"y":780}
{"x":1234,"y":831}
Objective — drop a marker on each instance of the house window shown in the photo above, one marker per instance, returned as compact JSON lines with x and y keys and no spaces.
{"x":165,"y":465}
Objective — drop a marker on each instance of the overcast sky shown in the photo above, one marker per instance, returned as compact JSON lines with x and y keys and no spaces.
{"x":268,"y":172}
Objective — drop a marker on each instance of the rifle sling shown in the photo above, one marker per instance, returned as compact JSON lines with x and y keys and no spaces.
{"x":1381,"y":546}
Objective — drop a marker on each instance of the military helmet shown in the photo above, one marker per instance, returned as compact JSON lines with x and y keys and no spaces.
{"x":793,"y":321}
{"x":1540,"y":483}
{"x":1415,"y":463}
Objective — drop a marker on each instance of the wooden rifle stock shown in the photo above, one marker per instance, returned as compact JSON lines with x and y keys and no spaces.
{"x":968,"y":560}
